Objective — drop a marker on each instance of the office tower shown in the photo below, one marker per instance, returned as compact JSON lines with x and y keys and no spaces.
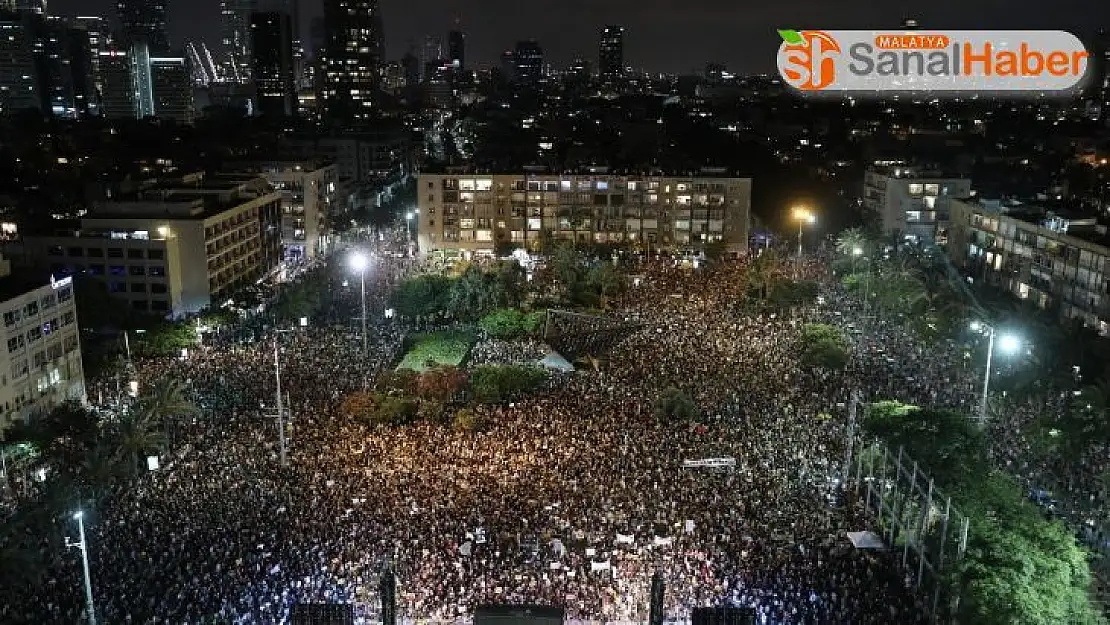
{"x":431,"y":51}
{"x":353,"y":49}
{"x":508,"y":66}
{"x":411,"y":65}
{"x":456,"y":49}
{"x":18,"y":85}
{"x":117,"y":94}
{"x":235,"y":18}
{"x":272,"y":46}
{"x":610,"y":54}
{"x":144,"y":21}
{"x":171,"y":89}
{"x":96,"y":29}
{"x":142,"y":83}
{"x":528,"y":62}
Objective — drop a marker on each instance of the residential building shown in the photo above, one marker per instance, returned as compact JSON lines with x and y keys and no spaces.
{"x":272,"y":46}
{"x":610,"y":56}
{"x":1053,"y":259}
{"x":471,"y":213}
{"x":308,"y":191}
{"x":41,"y":366}
{"x":360,"y":158}
{"x":353,"y":54}
{"x":173,"y":248}
{"x":143,"y":21}
{"x":912,"y":200}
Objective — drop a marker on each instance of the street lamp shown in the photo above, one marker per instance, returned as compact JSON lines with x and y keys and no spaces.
{"x":360,"y":263}
{"x":408,"y":223}
{"x":1007,"y":343}
{"x":79,"y":516}
{"x":804,"y":217}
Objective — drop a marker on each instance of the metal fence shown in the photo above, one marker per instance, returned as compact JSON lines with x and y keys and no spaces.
{"x":913,"y":517}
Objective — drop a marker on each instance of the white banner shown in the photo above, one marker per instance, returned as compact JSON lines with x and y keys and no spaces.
{"x":599,"y":566}
{"x":660,"y":542}
{"x":709,"y":462}
{"x":621,"y":538}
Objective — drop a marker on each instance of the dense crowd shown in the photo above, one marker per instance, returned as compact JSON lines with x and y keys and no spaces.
{"x":572,"y":497}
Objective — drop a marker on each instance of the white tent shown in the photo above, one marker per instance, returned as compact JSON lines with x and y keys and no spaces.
{"x":866,"y":540}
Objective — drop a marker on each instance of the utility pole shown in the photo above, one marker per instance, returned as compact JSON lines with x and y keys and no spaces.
{"x":280,"y":402}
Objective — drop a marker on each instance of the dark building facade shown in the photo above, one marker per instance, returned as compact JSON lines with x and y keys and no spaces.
{"x":353,"y":47}
{"x":144,"y":21}
{"x":456,"y":49}
{"x":272,"y":47}
{"x":528,"y":62}
{"x":610,"y":54}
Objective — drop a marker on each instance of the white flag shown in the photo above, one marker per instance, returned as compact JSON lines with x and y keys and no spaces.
{"x":659,"y":542}
{"x":621,"y":538}
{"x":599,"y":566}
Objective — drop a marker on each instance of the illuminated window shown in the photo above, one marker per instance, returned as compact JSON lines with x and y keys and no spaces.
{"x":483,"y":185}
{"x":916,"y":188}
{"x":466,"y":224}
{"x":466,"y":185}
{"x":602,"y":185}
{"x":932,"y":189}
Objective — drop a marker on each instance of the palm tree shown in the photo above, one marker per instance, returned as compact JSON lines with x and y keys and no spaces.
{"x":167,"y":401}
{"x":848,"y":241}
{"x":136,"y":434}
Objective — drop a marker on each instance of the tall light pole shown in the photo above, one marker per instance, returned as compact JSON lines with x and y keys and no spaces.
{"x":79,"y":516}
{"x":1008,"y":343}
{"x":804,"y":217}
{"x":360,"y":263}
{"x":280,"y":401}
{"x":857,"y":252}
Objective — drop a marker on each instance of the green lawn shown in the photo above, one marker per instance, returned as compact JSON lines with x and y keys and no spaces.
{"x":441,"y":348}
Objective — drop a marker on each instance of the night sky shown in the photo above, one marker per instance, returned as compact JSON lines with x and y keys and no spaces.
{"x":661,"y":35}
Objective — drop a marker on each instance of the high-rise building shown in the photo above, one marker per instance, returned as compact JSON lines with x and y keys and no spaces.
{"x":96,"y":30}
{"x":144,"y":21}
{"x":431,"y":52}
{"x":34,"y":7}
{"x":19,"y":88}
{"x":44,"y":345}
{"x":528,"y":62}
{"x":235,"y":16}
{"x":353,"y":51}
{"x":610,"y":54}
{"x":411,"y":65}
{"x":137,"y":85}
{"x":172,"y":89}
{"x":117,"y":93}
{"x":272,"y":45}
{"x":456,"y":49}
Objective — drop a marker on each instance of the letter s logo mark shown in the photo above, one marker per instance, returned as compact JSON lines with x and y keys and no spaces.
{"x":806,"y":59}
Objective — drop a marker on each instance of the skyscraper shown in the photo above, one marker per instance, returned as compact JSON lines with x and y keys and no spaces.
{"x":456,"y":49}
{"x":97,"y":30}
{"x":18,"y":86}
{"x":171,"y":89}
{"x":354,"y":47}
{"x":144,"y":21}
{"x":37,"y":7}
{"x":117,"y":94}
{"x":235,"y":16}
{"x":431,"y":51}
{"x":610,"y":54}
{"x":528,"y":62}
{"x":272,"y":46}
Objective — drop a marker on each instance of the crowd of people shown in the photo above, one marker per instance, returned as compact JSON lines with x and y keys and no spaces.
{"x":572,"y":496}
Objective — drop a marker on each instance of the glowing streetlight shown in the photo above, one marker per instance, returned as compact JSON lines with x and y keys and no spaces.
{"x":360,"y":262}
{"x":1008,"y":343}
{"x":804,"y":217}
{"x":857,"y":251}
{"x":79,"y":516}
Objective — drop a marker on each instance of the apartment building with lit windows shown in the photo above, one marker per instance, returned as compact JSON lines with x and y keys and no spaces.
{"x":912,"y":200}
{"x":308,"y":191}
{"x":173,"y":248}
{"x":40,"y":365}
{"x":471,"y":213}
{"x":1056,"y":261}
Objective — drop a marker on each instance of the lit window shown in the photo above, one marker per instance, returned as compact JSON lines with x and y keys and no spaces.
{"x":602,"y":185}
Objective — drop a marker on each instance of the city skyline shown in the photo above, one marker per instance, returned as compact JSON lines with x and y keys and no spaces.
{"x":657,"y":38}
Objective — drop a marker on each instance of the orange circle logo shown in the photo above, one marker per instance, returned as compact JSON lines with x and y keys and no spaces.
{"x":807,"y":59}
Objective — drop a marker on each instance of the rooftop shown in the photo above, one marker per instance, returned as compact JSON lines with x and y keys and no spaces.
{"x":22,"y":282}
{"x":193,"y":196}
{"x":1059,"y":217}
{"x":916,"y":171}
{"x":281,"y":163}
{"x":539,"y":170}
